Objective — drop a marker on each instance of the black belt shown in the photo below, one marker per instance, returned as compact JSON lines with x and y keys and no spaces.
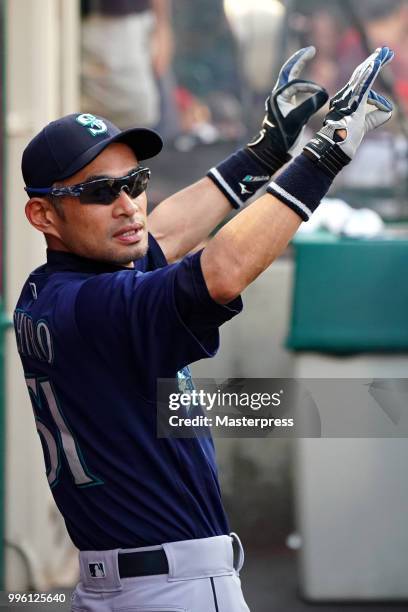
{"x":144,"y":563}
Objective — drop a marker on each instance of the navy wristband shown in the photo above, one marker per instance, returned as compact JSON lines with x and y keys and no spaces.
{"x":301,"y":186}
{"x":239,"y":177}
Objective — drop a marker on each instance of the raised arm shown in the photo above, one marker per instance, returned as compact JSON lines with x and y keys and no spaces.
{"x":162,"y":39}
{"x":184,"y":220}
{"x":251,"y":241}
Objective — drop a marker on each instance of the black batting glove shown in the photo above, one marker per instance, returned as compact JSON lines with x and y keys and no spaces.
{"x":249,"y":169}
{"x":286,"y":117}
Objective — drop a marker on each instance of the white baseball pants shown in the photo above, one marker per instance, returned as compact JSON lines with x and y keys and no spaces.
{"x":201,"y":578}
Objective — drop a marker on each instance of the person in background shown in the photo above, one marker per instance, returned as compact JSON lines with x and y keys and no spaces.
{"x":127,"y":46}
{"x":325,"y":34}
{"x":381,"y":20}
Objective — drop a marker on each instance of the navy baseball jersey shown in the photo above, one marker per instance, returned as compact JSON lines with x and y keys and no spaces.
{"x":93,"y":338}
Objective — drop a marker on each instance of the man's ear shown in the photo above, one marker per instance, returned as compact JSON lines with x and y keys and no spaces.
{"x":43,"y":216}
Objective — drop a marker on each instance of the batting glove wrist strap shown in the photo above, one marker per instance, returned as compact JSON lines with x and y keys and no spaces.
{"x":324,"y":151}
{"x":301,"y":186}
{"x":270,"y":157}
{"x":239,"y":177}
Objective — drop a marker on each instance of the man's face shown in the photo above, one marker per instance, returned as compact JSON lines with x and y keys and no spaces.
{"x":115,"y":232}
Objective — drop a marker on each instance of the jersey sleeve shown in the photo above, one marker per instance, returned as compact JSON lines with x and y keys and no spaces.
{"x":167,"y":315}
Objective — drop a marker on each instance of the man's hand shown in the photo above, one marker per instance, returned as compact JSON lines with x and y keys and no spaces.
{"x":286,"y":116}
{"x":245,"y":172}
{"x":354,"y":111}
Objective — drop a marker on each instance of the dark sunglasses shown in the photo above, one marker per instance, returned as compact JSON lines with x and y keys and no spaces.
{"x":100,"y":191}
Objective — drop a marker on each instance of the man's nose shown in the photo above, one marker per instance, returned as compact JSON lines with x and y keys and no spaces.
{"x":124,"y":204}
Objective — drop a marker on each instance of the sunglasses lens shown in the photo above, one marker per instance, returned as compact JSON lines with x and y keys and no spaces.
{"x":138,"y":184}
{"x":106,"y":191}
{"x":103,"y":193}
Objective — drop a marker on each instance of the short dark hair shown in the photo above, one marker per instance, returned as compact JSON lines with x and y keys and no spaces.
{"x":56,"y":203}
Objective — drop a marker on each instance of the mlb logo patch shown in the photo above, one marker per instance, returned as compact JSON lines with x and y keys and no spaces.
{"x":97,"y":569}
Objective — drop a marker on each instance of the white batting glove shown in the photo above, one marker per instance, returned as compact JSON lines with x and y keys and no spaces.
{"x":351,"y":109}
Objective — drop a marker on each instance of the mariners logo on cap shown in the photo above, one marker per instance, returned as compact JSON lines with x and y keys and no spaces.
{"x":97,"y":569}
{"x":95,"y":126}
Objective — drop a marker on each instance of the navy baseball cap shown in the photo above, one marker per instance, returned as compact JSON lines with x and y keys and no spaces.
{"x":68,"y":144}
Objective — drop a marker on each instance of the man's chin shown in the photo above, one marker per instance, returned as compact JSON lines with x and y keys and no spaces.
{"x":135,"y":252}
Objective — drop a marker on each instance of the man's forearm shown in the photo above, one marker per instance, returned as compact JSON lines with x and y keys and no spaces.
{"x":246,"y":246}
{"x":181,"y":222}
{"x":184,"y":220}
{"x":249,"y":243}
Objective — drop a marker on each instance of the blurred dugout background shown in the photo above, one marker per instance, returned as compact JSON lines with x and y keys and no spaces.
{"x":322,"y":520}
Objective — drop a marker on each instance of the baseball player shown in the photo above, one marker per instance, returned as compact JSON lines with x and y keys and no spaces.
{"x":109,"y":313}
